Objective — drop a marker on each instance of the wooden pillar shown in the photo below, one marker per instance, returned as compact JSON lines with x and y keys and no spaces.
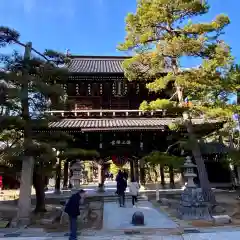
{"x":136,"y":172}
{"x":142,"y":172}
{"x":65,"y":174}
{"x":132,"y":175}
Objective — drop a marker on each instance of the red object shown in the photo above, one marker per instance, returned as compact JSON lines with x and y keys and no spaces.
{"x":1,"y":183}
{"x":119,"y":161}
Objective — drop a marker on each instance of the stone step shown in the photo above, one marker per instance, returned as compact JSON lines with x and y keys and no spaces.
{"x":114,"y":199}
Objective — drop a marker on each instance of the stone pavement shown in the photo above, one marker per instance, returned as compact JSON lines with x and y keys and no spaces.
{"x":116,"y":218}
{"x":117,"y":224}
{"x":218,"y":235}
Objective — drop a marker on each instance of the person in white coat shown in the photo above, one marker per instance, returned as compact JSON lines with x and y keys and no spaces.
{"x":134,"y":189}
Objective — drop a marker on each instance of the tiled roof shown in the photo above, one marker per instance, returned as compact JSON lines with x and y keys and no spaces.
{"x":88,"y":64}
{"x":118,"y":124}
{"x":109,"y":124}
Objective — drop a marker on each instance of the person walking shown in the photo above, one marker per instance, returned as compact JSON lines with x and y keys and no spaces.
{"x":121,"y":188}
{"x":73,"y":211}
{"x":134,"y":190}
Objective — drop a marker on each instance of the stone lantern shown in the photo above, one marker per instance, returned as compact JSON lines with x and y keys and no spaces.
{"x":192,"y":204}
{"x":76,"y":177}
{"x":189,"y":172}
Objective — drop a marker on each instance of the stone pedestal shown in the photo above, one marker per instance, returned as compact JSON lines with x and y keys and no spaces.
{"x":76,"y":175}
{"x":192,"y":205}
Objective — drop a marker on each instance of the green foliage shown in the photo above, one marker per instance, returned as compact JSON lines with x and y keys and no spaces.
{"x":114,"y":169}
{"x":45,"y":76}
{"x":158,"y":37}
{"x":162,"y":104}
{"x":77,"y":152}
{"x":174,"y":126}
{"x":164,"y":158}
{"x":8,"y":36}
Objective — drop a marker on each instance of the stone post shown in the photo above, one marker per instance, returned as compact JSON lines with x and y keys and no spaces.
{"x":157,"y":191}
{"x":24,"y":202}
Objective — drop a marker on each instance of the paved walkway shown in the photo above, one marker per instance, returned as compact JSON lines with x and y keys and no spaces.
{"x":232,"y":235}
{"x":116,"y":218}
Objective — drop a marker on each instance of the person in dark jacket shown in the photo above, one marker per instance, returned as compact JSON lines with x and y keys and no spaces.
{"x":121,"y":188}
{"x":73,"y":211}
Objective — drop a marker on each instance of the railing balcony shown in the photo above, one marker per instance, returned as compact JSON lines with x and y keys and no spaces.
{"x":105,"y":113}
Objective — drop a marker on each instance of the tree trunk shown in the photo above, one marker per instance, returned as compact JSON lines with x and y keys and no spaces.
{"x":155,"y":174}
{"x":39,"y":185}
{"x":58,"y":177}
{"x":171,"y":176}
{"x":65,"y":175}
{"x":162,"y":176}
{"x":202,"y":172}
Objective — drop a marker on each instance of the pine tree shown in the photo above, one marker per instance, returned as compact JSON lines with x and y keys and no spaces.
{"x":159,"y":34}
{"x":33,"y":85}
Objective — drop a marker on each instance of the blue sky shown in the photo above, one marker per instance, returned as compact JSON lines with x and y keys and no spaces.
{"x":91,"y":27}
